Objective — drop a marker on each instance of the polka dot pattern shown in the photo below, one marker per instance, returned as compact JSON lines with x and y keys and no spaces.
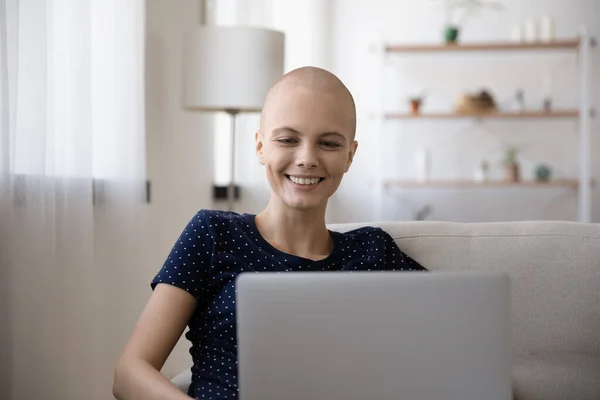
{"x":214,"y":248}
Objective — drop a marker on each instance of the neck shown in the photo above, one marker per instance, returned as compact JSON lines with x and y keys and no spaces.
{"x":302,"y":233}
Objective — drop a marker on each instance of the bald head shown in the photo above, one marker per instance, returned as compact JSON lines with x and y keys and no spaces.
{"x":317,"y":82}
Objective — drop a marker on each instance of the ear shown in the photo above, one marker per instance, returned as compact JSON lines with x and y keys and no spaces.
{"x":259,"y":147}
{"x":351,"y":154}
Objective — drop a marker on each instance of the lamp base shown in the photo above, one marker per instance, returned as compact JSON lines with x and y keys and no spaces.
{"x":220,"y":192}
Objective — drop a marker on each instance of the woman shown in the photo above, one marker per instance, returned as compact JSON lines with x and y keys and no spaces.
{"x":306,"y":142}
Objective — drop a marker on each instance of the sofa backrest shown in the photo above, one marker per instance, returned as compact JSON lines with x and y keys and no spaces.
{"x":555,"y":272}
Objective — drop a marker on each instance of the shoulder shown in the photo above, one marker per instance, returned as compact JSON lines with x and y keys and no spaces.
{"x":370,"y":233}
{"x":223,"y":228}
{"x":366,"y":239}
{"x":207,"y":224}
{"x":214,"y":216}
{"x":378,"y":246}
{"x":215,"y":219}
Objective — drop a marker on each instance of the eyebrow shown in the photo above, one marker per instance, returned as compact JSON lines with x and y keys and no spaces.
{"x":287,"y":129}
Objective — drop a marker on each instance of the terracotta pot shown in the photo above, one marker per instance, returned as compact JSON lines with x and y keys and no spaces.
{"x":512,"y":173}
{"x":415,"y":105}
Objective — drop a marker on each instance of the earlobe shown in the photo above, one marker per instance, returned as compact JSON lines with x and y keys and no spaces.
{"x":349,"y":163}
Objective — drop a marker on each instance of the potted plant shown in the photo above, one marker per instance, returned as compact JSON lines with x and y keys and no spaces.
{"x":511,"y":166}
{"x":459,"y":11}
{"x":416,"y":101}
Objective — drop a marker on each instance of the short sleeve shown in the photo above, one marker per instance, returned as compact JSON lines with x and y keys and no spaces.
{"x":189,"y":261}
{"x":396,"y":259}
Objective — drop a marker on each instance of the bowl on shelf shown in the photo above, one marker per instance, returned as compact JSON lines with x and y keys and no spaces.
{"x":543,"y":173}
{"x":478,"y":103}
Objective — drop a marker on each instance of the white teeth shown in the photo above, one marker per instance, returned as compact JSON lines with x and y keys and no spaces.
{"x":305,"y":181}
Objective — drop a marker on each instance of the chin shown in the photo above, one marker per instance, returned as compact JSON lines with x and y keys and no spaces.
{"x":304,"y":204}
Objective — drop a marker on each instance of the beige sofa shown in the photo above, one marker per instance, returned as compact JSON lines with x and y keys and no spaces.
{"x":555,"y":270}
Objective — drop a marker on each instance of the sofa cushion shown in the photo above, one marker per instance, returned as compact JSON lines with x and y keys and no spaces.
{"x":557,"y":376}
{"x":555,"y":272}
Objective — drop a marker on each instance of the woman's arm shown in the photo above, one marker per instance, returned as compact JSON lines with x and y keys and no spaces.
{"x":137,"y":374}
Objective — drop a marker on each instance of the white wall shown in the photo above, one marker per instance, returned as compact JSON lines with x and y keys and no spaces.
{"x":458,"y":146}
{"x":179,"y":143}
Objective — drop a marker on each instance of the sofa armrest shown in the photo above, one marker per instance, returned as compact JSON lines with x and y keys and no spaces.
{"x":183,"y":380}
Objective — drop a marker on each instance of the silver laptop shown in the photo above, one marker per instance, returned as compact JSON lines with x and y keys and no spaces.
{"x":374,"y":335}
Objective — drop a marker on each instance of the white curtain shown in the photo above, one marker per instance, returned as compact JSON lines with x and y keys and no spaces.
{"x":72,"y":191}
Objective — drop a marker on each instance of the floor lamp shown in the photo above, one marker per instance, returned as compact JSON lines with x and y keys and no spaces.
{"x":230,"y":69}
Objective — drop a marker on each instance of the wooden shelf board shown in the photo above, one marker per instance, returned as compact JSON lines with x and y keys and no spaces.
{"x":570,"y":183}
{"x":490,"y":115}
{"x":572,"y":44}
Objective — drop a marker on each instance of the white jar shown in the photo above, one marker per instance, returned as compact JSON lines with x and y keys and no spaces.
{"x":517,"y":34}
{"x":547,"y":29}
{"x":531,"y":30}
{"x":423,"y":165}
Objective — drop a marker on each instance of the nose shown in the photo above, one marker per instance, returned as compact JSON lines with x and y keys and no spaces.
{"x":307,"y":157}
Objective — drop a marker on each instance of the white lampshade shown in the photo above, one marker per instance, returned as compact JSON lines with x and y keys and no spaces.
{"x":230,"y":68}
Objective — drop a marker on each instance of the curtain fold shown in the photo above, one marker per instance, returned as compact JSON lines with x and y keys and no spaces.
{"x":72,"y":180}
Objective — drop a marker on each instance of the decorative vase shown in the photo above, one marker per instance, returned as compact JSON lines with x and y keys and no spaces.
{"x":451,"y":34}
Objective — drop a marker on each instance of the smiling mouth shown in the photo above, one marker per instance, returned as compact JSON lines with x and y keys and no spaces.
{"x":304,"y":181}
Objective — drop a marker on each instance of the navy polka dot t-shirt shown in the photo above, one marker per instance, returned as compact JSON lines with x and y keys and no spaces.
{"x":214,"y":248}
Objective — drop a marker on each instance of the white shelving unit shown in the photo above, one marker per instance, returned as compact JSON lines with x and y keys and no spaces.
{"x":579,"y":46}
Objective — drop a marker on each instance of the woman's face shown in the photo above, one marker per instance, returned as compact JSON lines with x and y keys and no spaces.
{"x":306,"y":143}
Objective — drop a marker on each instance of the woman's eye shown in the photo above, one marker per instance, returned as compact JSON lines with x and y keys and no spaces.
{"x":287,"y":141}
{"x":331,"y":145}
